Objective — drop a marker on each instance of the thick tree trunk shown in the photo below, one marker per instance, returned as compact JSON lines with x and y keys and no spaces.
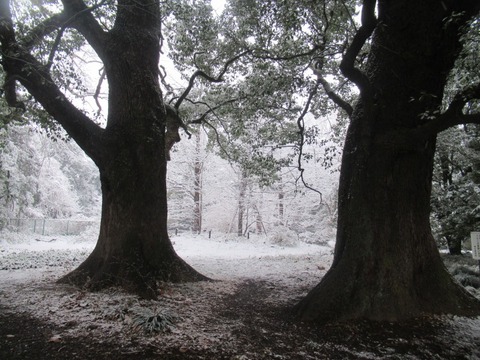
{"x":386,"y":264}
{"x":133,"y":249}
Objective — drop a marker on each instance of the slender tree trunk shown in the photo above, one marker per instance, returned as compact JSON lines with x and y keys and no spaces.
{"x":281,"y":195}
{"x":197,"y":192}
{"x":386,"y":264}
{"x":241,"y":203}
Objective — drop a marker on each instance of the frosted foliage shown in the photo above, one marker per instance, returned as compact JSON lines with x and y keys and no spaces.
{"x":220,"y":196}
{"x":283,"y":236}
{"x":286,"y":203}
{"x":41,"y":178}
{"x":45,"y":178}
{"x":56,"y":195}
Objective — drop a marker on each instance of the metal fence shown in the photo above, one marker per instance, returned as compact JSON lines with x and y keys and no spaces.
{"x":47,"y":226}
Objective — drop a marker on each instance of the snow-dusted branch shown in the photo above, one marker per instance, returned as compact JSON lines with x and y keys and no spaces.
{"x":103,"y":75}
{"x":301,"y":132}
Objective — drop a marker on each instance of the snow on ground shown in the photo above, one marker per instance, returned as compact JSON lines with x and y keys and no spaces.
{"x":29,"y":266}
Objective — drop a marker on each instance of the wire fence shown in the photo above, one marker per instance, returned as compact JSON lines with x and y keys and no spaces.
{"x":47,"y":226}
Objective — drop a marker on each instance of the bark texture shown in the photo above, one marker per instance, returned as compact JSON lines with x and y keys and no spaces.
{"x":386,"y":264}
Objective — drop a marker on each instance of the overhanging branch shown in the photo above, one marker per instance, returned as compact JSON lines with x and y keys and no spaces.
{"x":21,"y":66}
{"x":347,"y":66}
{"x":332,"y":95}
{"x":207,"y":77}
{"x":413,"y":139}
{"x":301,"y":141}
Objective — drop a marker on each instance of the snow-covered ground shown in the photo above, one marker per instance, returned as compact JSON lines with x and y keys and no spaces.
{"x":30,"y":266}
{"x":203,"y":321}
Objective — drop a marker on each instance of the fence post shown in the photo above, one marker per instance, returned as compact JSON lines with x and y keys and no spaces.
{"x":43,"y":228}
{"x":68,"y":222}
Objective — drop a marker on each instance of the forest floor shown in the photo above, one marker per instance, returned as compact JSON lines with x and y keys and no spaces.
{"x":244,"y":314}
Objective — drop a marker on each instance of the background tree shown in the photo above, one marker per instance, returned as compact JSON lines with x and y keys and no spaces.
{"x":455,"y":192}
{"x":455,"y":211}
{"x":385,"y":256}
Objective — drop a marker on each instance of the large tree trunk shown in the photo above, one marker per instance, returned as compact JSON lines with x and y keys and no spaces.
{"x":133,"y":249}
{"x":386,"y":264}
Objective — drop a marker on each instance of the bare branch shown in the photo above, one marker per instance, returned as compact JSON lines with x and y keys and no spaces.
{"x":163,"y":75}
{"x":98,"y":89}
{"x":337,"y":99}
{"x":55,"y":46}
{"x":211,"y":109}
{"x":301,"y":127}
{"x":207,"y":77}
{"x":347,"y":66}
{"x":219,"y":143}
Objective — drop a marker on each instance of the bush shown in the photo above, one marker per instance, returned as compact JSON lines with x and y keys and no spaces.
{"x":283,"y":236}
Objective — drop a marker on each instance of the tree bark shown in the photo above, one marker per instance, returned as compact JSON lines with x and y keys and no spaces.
{"x":133,"y":250}
{"x":386,"y":265}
